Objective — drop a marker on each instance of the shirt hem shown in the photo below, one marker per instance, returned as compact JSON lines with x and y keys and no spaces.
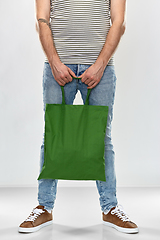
{"x":77,"y":61}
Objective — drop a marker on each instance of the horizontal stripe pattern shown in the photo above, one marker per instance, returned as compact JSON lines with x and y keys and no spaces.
{"x":79,"y":29}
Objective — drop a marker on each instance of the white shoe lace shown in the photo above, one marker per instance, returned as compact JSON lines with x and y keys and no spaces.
{"x":36,"y":212}
{"x":120,"y":213}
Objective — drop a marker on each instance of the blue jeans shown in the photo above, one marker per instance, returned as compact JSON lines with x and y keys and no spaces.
{"x":102,"y":94}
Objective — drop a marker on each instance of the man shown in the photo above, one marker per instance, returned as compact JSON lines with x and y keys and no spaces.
{"x":79,"y":38}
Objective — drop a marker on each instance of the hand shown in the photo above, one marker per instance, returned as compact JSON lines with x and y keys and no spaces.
{"x":62,"y":74}
{"x":92,"y":75}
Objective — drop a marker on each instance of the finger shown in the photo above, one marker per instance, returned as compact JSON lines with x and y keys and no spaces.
{"x":86,"y":80}
{"x":92,"y":86}
{"x":84,"y":77}
{"x":71,"y":73}
{"x":61,"y":82}
{"x":89,"y":81}
{"x":68,"y":79}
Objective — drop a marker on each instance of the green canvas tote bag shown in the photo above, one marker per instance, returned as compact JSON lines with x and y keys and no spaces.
{"x":74,"y":141}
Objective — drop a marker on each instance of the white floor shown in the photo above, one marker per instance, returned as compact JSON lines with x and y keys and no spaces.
{"x":77,"y":214}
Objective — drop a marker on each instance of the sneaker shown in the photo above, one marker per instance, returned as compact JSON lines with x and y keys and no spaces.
{"x":119,"y":220}
{"x":38,"y":218}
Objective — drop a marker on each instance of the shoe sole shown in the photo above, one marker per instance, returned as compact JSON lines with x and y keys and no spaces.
{"x":34,"y":229}
{"x":121,"y":229}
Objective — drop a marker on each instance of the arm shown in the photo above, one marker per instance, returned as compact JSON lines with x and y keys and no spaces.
{"x":116,"y":31}
{"x":93,"y":75}
{"x":61,"y":72}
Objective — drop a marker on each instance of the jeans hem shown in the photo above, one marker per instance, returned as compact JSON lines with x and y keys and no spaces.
{"x":109,"y":208}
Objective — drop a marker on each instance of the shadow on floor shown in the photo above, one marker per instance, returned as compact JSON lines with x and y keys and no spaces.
{"x":58,"y":231}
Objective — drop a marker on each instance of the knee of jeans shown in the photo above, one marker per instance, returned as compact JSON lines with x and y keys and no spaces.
{"x":109,"y":146}
{"x":42,"y":146}
{"x":108,"y":141}
{"x":41,"y":157}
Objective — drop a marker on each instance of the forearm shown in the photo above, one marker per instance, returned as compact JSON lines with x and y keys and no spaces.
{"x":111,"y":43}
{"x":47,"y":42}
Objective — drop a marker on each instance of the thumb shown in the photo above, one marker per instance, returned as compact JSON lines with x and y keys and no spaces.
{"x":71,"y":73}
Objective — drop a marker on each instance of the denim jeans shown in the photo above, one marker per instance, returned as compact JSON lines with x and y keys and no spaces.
{"x":102,"y":94}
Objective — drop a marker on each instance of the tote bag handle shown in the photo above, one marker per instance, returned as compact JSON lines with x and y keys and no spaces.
{"x":87,"y":98}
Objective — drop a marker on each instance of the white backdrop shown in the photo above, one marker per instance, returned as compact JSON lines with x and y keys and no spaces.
{"x":136,"y":131}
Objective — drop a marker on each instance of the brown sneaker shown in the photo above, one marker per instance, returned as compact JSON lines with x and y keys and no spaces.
{"x":119,"y":220}
{"x":38,"y":218}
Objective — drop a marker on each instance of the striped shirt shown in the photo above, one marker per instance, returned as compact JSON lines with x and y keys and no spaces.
{"x":79,"y":29}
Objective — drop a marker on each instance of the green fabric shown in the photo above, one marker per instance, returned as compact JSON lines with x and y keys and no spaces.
{"x":74,"y":141}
